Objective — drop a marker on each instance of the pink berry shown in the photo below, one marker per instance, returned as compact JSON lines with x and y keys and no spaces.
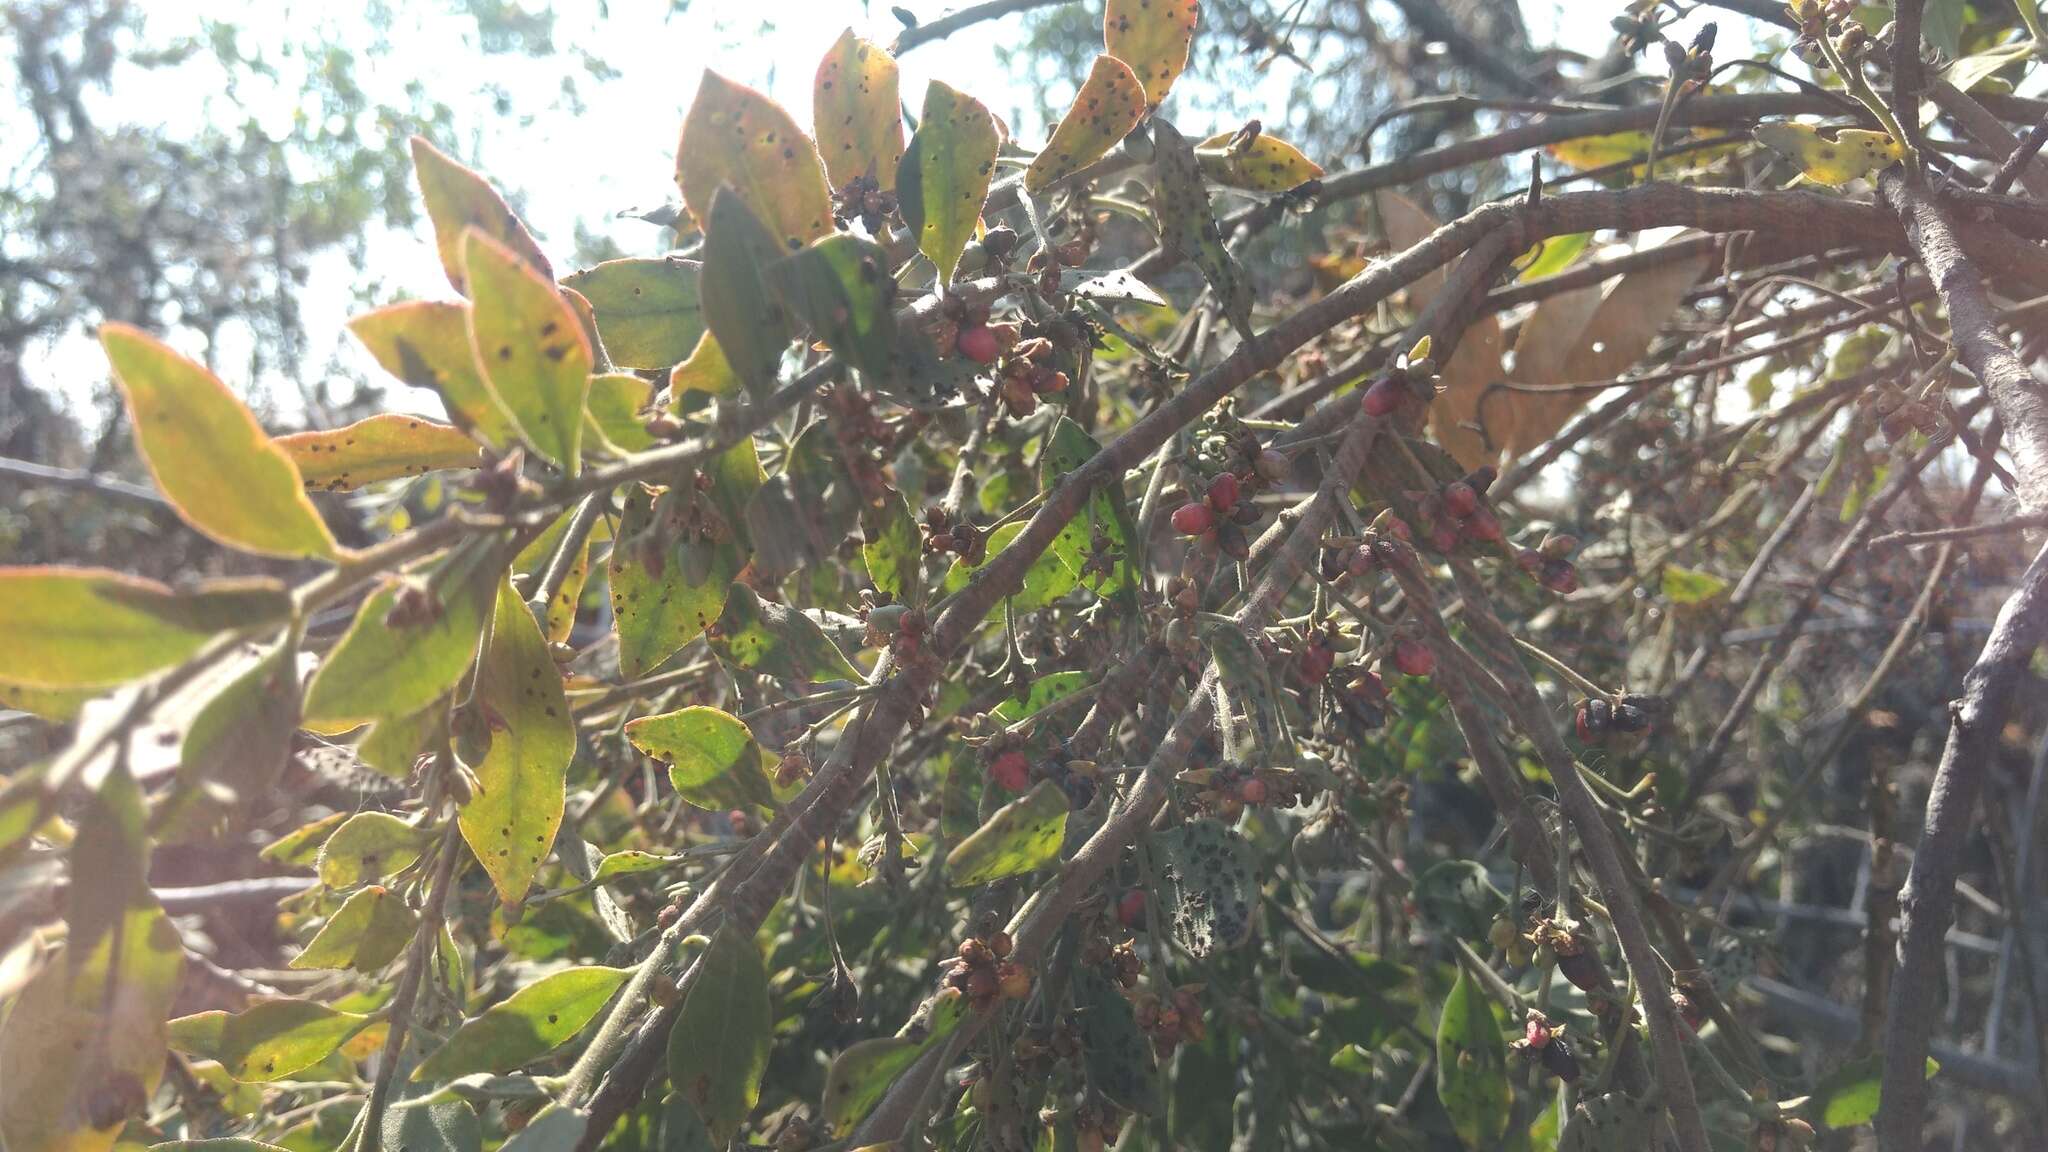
{"x":1414,"y":658}
{"x":1483,"y":526}
{"x":1130,"y":910}
{"x":1444,"y":538}
{"x":1193,"y":519}
{"x":1460,"y":500}
{"x":1223,"y":492}
{"x":1382,"y":398}
{"x":978,"y":344}
{"x":1011,"y":771}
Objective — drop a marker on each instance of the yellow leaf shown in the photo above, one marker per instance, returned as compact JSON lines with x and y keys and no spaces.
{"x":382,"y":447}
{"x":530,"y":347}
{"x":209,"y":456}
{"x":90,"y":627}
{"x":736,"y":136}
{"x":706,"y":371}
{"x":1152,"y":36}
{"x":1853,"y":152}
{"x":510,"y":822}
{"x":1600,"y":151}
{"x":1266,"y":164}
{"x":458,"y":198}
{"x":855,"y":111}
{"x":1109,"y":104}
{"x":425,"y":343}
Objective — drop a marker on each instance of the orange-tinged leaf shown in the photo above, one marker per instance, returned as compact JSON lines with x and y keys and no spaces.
{"x":458,"y":199}
{"x":1152,"y":36}
{"x":531,"y":349}
{"x":426,"y":344}
{"x":511,"y":819}
{"x":383,"y":447}
{"x":736,"y":136}
{"x":209,"y":456}
{"x":855,"y":112}
{"x":946,"y":173}
{"x":1109,"y":105}
{"x":1266,"y":164}
{"x":89,"y":627}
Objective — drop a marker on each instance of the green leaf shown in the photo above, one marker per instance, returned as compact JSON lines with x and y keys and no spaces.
{"x":1554,"y":255}
{"x":860,"y":1076}
{"x":1023,"y":836}
{"x":369,"y":846}
{"x":241,"y":737}
{"x":1210,"y":887}
{"x":210,"y":458}
{"x":735,"y":137}
{"x":530,"y":348}
{"x":777,"y":640}
{"x":629,"y":863}
{"x":855,"y":112}
{"x":1850,"y":1095}
{"x":554,"y":1129}
{"x":649,"y":311}
{"x":111,"y":848}
{"x":444,"y":1126}
{"x":301,"y":846}
{"x":394,"y":745}
{"x":383,"y":447}
{"x":705,"y":375}
{"x":711,"y":756}
{"x":1044,"y":690}
{"x":367,"y":932}
{"x":719,"y":1046}
{"x":529,"y":1024}
{"x":750,"y":322}
{"x":1472,"y":1066}
{"x":1049,"y":577}
{"x":1067,"y":449}
{"x":90,"y":628}
{"x":944,"y":177}
{"x":798,"y":519}
{"x":457,"y":199}
{"x":425,"y":343}
{"x":395,"y":663}
{"x":1118,"y":1053}
{"x":1458,"y":896}
{"x":615,"y":403}
{"x":892,"y":548}
{"x":1109,"y":104}
{"x":1972,"y":71}
{"x":511,"y":819}
{"x":82,"y":1049}
{"x":535,"y":557}
{"x":269,"y":1040}
{"x":1262,"y":164}
{"x":664,"y":597}
{"x":1152,"y":36}
{"x":841,"y":287}
{"x":1687,"y":586}
{"x":1941,"y":24}
{"x":1187,"y":229}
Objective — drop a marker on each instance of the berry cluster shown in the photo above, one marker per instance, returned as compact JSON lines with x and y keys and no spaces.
{"x":1412,"y":377}
{"x":984,"y":973}
{"x":1596,"y":719}
{"x":1219,"y":518}
{"x":863,"y":199}
{"x":900,"y":627}
{"x":1173,"y":1019}
{"x":1229,"y":788}
{"x":1121,"y":960}
{"x":942,"y":534}
{"x":1027,"y":372}
{"x":1548,"y":565}
{"x":1457,"y":513}
{"x":1544,"y":1043}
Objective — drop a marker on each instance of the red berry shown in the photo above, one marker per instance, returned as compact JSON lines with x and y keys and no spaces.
{"x":1011,"y":770}
{"x":1460,"y":500}
{"x":1382,"y":398}
{"x":1252,"y":791}
{"x":1444,"y":538}
{"x":1130,"y":910}
{"x":1193,"y":519}
{"x":1223,"y":492}
{"x":978,"y":344}
{"x":1414,"y":658}
{"x":1483,"y":526}
{"x":1536,"y":1032}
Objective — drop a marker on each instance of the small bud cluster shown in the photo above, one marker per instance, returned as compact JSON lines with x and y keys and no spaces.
{"x":1229,"y":788}
{"x":984,"y":973}
{"x":1173,"y":1019}
{"x":863,"y":199}
{"x":1457,"y":513}
{"x":942,"y":534}
{"x":1545,"y":1043}
{"x":1219,"y":518}
{"x":1548,"y":563}
{"x":1412,"y":379}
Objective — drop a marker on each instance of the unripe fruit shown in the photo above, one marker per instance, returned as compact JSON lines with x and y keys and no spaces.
{"x":1130,"y":909}
{"x":1460,"y":500}
{"x":1252,"y":791}
{"x":1315,"y":663}
{"x":1582,"y":969}
{"x":1414,"y":658}
{"x":1484,"y":527}
{"x":1382,"y":398}
{"x":978,"y":344}
{"x":1223,"y":492}
{"x":1011,"y":771}
{"x":1193,"y":519}
{"x":1444,"y":538}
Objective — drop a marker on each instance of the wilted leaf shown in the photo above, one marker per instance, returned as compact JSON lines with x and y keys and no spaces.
{"x":392,"y":664}
{"x":658,"y":608}
{"x":458,"y":199}
{"x":369,"y":846}
{"x":892,"y":548}
{"x":649,"y":312}
{"x":855,"y":112}
{"x":367,"y":932}
{"x":738,"y":138}
{"x":426,"y":344}
{"x":1853,"y":152}
{"x":511,"y":819}
{"x":1472,"y":1067}
{"x":525,"y":1026}
{"x":209,"y":456}
{"x":841,"y":287}
{"x":777,"y":640}
{"x":1023,"y":836}
{"x":1187,"y":229}
{"x":944,"y":177}
{"x":710,"y":755}
{"x":719,"y":1046}
{"x":270,"y":1040}
{"x":1265,"y":164}
{"x":1110,"y":103}
{"x":530,"y":347}
{"x":383,"y":447}
{"x":1152,"y":36}
{"x":89,"y":627}
{"x":752,"y":324}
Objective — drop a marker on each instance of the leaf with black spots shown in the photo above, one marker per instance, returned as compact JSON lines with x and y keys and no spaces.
{"x":459,"y":199}
{"x":841,"y":287}
{"x":516,"y":805}
{"x":383,"y":447}
{"x":370,"y":846}
{"x":944,"y":177}
{"x":1262,"y":164}
{"x":712,"y":758}
{"x":525,"y":1026}
{"x":1119,"y":1055}
{"x":1187,"y":229}
{"x":614,"y":405}
{"x":1210,"y":887}
{"x":752,"y":324}
{"x":1152,"y":36}
{"x":893,"y":549}
{"x":736,"y":137}
{"x":367,"y":932}
{"x":649,"y":312}
{"x":1023,"y":836}
{"x":777,"y":640}
{"x":269,"y":1040}
{"x":1110,"y":103}
{"x":393,"y":663}
{"x":530,"y":347}
{"x":855,"y":112}
{"x":1472,"y":1067}
{"x":664,"y":594}
{"x":425,"y":343}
